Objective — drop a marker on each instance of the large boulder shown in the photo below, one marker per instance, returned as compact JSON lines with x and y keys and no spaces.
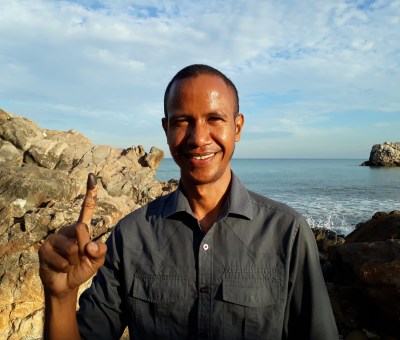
{"x":366,"y":275}
{"x":9,"y":154}
{"x":386,"y":154}
{"x":382,"y":226}
{"x":42,"y":184}
{"x":375,"y":268}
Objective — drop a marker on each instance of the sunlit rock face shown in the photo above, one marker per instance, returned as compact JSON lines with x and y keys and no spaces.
{"x":386,"y":154}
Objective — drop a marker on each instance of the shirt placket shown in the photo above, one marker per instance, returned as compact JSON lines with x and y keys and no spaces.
{"x":205,"y":280}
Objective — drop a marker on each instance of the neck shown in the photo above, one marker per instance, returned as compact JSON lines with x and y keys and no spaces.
{"x":207,"y":200}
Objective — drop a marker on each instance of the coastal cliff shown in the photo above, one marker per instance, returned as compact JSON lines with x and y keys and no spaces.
{"x":386,"y":154}
{"x":42,"y":183}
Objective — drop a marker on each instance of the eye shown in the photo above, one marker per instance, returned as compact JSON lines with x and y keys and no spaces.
{"x":215,"y":119}
{"x":180,"y":121}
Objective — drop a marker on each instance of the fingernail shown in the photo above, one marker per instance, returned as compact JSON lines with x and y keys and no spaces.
{"x":92,"y":181}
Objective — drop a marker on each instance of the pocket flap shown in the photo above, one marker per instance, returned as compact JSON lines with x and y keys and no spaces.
{"x":251,"y":293}
{"x":159,"y":289}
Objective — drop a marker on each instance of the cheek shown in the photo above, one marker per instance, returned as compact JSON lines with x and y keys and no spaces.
{"x":223,"y":135}
{"x":174,"y":138}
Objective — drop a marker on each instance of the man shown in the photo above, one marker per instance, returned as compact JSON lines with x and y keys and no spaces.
{"x":211,"y":260}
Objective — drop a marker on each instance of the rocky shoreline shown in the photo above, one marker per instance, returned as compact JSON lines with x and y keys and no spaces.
{"x":42,"y":182}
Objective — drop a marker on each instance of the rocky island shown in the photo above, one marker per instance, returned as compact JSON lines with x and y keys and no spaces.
{"x":386,"y":154}
{"x":42,"y":181}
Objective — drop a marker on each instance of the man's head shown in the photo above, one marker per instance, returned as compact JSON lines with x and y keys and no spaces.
{"x":202,"y":124}
{"x":196,"y":70}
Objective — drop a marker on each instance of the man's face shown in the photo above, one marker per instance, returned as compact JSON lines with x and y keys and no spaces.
{"x":201,"y":128}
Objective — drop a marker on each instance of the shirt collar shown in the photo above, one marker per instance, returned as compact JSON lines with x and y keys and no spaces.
{"x":238,"y":203}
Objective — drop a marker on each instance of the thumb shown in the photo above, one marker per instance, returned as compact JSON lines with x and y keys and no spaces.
{"x":96,"y":252}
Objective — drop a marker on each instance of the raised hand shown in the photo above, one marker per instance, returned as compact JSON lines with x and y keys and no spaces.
{"x":69,"y":258}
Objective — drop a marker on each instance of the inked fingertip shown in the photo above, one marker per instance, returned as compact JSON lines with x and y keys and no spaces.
{"x":92,"y":181}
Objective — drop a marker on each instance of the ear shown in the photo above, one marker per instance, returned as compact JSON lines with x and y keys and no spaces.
{"x":164,"y":122}
{"x":239,"y":122}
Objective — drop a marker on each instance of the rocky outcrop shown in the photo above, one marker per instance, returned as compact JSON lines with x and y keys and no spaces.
{"x":42,"y":182}
{"x":363,"y":276}
{"x":386,"y":154}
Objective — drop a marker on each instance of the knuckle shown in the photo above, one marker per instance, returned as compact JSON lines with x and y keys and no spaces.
{"x":88,"y":204}
{"x":64,"y":267}
{"x":71,"y":249}
{"x":82,"y":227}
{"x":50,"y":238}
{"x":66,"y":230}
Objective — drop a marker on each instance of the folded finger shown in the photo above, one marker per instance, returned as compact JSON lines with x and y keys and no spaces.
{"x":68,"y":231}
{"x":51,"y":258}
{"x":65,"y":247}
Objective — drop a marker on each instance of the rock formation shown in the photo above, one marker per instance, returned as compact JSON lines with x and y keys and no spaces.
{"x":42,"y":182}
{"x":364,"y":277}
{"x":386,"y":154}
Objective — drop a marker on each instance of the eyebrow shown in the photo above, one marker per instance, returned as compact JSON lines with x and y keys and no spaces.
{"x":189,"y":116}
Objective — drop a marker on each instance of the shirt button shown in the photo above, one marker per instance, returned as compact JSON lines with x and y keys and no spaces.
{"x":205,"y":246}
{"x":204,"y":290}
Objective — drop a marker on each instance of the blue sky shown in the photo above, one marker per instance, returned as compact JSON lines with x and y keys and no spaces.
{"x":316,"y":79}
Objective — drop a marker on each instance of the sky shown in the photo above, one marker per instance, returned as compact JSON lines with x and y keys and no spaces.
{"x":316,"y":79}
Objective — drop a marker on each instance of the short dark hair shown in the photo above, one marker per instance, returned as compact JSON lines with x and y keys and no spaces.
{"x":197,"y":70}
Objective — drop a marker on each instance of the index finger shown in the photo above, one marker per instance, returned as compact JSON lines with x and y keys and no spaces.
{"x":89,"y":202}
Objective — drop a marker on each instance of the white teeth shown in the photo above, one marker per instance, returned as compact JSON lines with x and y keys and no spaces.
{"x":203,"y":157}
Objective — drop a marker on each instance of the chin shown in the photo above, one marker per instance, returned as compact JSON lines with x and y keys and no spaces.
{"x":202,"y":178}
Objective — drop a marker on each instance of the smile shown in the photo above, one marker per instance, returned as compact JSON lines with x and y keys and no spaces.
{"x":203,"y":156}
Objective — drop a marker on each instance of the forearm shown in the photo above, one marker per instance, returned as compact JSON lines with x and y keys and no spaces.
{"x":60,"y":318}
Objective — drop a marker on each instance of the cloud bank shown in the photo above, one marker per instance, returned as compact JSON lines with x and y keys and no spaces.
{"x":316,"y":78}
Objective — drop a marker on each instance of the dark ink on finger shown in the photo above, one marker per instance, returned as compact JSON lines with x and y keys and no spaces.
{"x":92,"y":181}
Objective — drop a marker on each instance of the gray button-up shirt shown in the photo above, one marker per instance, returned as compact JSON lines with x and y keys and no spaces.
{"x":254,"y":275}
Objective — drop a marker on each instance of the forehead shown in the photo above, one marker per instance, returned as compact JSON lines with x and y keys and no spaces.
{"x":200,"y":90}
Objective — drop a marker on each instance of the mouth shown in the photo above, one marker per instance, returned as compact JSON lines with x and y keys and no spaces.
{"x":202,"y":157}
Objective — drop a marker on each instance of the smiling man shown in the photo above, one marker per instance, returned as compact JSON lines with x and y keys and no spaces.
{"x":211,"y":260}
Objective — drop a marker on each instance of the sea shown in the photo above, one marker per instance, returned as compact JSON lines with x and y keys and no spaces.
{"x":336,"y":194}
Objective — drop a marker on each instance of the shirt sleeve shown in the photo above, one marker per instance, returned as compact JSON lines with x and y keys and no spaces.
{"x":101,"y":314}
{"x":309,"y":313}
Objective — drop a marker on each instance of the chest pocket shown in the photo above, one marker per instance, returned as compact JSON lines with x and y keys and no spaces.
{"x":251,"y":303}
{"x":159,"y":307}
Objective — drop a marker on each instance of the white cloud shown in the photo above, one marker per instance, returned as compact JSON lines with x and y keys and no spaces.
{"x":113,"y":59}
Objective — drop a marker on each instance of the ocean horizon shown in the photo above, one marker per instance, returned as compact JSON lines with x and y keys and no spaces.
{"x":333,"y":193}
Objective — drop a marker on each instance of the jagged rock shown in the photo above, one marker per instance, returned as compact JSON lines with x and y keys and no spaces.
{"x":19,"y":131}
{"x":42,"y":181}
{"x":374,"y":269}
{"x":33,"y":186}
{"x":364,"y":276}
{"x":154,"y":158}
{"x":326,"y":238}
{"x":58,"y":150}
{"x":9,"y":154}
{"x":386,"y":154}
{"x":381,"y":227}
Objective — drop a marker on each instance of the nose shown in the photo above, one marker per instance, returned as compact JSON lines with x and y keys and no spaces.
{"x":199,"y":134}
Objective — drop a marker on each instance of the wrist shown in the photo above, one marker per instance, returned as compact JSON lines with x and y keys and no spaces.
{"x":64,"y":299}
